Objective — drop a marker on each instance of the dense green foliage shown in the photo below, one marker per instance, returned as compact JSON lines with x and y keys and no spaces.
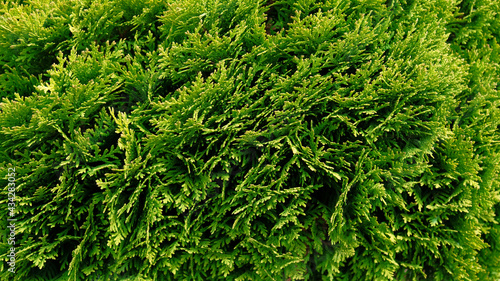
{"x":251,"y":140}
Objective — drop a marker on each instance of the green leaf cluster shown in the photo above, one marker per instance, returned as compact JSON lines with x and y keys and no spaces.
{"x":252,"y":140}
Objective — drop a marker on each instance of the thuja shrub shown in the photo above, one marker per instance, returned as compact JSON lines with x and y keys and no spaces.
{"x":251,"y":140}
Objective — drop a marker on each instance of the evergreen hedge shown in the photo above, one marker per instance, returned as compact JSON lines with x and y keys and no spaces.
{"x":251,"y":140}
